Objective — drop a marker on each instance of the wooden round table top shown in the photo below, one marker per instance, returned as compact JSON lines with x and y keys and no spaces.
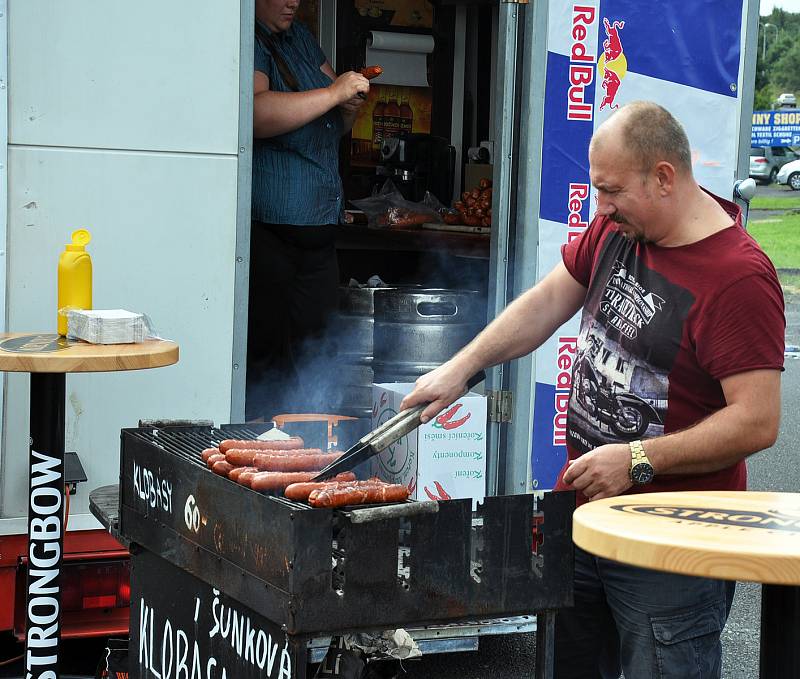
{"x":50,"y":353}
{"x":729,"y":535}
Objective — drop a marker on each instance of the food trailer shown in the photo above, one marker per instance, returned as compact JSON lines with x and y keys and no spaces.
{"x":137,"y":124}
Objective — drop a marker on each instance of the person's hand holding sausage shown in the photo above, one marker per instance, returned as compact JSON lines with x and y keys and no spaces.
{"x":440,"y":388}
{"x":347,"y":86}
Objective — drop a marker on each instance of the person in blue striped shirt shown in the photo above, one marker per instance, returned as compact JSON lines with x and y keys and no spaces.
{"x":301,"y":109}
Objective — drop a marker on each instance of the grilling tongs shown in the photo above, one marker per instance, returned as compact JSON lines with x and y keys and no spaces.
{"x":381,"y":438}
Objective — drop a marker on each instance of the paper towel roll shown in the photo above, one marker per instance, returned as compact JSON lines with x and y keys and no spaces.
{"x":403,"y":57}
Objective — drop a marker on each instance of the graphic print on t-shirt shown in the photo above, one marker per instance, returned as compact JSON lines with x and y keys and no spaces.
{"x":630,"y":333}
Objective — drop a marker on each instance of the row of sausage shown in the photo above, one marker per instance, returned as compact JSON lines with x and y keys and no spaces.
{"x":288,"y":467}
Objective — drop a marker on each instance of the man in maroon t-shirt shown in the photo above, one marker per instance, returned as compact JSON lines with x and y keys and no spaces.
{"x":676,"y":382}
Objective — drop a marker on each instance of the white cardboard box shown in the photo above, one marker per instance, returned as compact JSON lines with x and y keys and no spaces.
{"x":442,"y":459}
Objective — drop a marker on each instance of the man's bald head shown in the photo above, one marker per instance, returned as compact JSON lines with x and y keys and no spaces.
{"x":649,"y":133}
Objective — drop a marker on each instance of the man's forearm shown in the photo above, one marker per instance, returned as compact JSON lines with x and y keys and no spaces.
{"x":748,"y":423}
{"x":276,"y":113}
{"x":718,"y":441}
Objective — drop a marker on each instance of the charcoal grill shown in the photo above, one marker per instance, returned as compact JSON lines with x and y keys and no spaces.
{"x":321,"y":571}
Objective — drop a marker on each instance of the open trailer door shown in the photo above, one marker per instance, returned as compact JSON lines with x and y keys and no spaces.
{"x":598,"y":55}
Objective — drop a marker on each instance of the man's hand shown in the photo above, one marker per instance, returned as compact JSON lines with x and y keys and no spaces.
{"x":439,"y":387}
{"x":602,"y":472}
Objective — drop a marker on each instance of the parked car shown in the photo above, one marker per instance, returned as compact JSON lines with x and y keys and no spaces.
{"x":766,"y":161}
{"x":789,"y":174}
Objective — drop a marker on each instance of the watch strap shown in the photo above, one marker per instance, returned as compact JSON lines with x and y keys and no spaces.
{"x":637,"y":453}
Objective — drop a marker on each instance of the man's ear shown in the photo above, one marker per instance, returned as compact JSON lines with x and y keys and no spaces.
{"x":665,"y":177}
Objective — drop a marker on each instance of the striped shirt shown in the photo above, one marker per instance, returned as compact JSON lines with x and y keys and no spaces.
{"x":296,"y":174}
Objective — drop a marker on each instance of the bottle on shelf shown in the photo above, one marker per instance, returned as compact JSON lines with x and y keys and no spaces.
{"x":391,"y":117}
{"x":378,"y":125}
{"x":406,"y":116}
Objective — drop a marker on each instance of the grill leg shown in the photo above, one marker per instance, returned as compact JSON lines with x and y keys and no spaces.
{"x":780,"y":632}
{"x":45,"y":525}
{"x":545,"y":644}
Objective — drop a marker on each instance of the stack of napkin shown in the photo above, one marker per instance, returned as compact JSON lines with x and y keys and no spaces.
{"x":106,"y":326}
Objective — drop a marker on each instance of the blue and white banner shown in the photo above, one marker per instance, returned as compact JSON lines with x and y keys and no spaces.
{"x":776,"y":128}
{"x":600,"y":55}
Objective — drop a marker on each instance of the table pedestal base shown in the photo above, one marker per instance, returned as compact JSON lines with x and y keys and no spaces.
{"x":45,"y":525}
{"x":780,"y":632}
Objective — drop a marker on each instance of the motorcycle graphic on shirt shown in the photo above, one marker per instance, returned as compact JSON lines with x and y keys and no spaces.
{"x":606,"y":400}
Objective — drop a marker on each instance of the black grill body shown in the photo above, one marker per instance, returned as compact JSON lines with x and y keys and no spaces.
{"x":321,"y":571}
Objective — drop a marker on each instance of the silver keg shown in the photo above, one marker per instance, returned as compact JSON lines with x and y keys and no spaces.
{"x":353,"y":328}
{"x":354,"y":323}
{"x":417,"y":330}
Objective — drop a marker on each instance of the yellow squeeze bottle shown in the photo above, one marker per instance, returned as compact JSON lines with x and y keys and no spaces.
{"x":74,"y":278}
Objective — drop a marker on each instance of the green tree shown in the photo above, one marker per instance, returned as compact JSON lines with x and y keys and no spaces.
{"x":779,"y":70}
{"x":786,"y":71}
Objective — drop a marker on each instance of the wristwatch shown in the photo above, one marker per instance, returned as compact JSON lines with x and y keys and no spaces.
{"x":641,"y":471}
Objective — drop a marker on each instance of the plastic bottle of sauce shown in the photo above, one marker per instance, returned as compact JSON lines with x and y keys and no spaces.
{"x":391,"y":118}
{"x":74,"y":278}
{"x":377,"y":126}
{"x":406,"y":116}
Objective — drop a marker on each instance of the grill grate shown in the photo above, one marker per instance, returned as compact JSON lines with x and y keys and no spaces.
{"x":189,"y":442}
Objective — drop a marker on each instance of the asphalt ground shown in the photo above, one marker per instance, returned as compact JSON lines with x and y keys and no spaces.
{"x":775,"y":191}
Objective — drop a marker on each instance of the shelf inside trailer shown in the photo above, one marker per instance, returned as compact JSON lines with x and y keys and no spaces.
{"x":354,"y":237}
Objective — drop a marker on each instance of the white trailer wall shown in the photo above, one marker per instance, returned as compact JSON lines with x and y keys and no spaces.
{"x":130,"y":120}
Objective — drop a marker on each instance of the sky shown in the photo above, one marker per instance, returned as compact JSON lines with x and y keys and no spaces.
{"x":787,"y":5}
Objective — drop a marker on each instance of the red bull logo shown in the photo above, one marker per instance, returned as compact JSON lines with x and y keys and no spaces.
{"x":612,"y":64}
{"x":581,"y":63}
{"x":567,"y":350}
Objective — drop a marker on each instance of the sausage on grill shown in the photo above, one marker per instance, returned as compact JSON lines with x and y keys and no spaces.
{"x":208,"y":452}
{"x":222,"y":468}
{"x":272,"y":481}
{"x":246,"y":456}
{"x":340,"y":497}
{"x":287,"y":444}
{"x":211,"y":459}
{"x":301,"y":491}
{"x":236,"y":472}
{"x":294,"y":463}
{"x":246,"y":477}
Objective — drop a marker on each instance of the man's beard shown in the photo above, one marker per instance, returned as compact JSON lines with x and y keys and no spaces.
{"x":634,"y":236}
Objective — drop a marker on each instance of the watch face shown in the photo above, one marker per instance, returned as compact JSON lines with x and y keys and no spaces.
{"x":642,"y":473}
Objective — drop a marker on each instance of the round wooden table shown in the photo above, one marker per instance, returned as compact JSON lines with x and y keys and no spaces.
{"x":729,"y":535}
{"x":48,"y":358}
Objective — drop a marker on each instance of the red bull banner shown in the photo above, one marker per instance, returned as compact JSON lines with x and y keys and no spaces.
{"x":687,"y":56}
